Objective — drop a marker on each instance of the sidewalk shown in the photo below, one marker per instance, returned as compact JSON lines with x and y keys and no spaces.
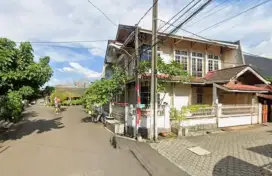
{"x":154,"y":163}
{"x":233,"y":153}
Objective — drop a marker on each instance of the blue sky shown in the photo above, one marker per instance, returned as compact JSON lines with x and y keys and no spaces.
{"x":77,"y":20}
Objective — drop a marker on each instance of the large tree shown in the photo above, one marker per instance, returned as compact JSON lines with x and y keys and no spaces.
{"x":18,"y":70}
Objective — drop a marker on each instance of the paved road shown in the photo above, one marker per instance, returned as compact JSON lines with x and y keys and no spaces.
{"x":45,"y":144}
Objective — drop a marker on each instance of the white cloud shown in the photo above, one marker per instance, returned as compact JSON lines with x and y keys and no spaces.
{"x":61,"y":53}
{"x":77,"y":68}
{"x":68,"y":20}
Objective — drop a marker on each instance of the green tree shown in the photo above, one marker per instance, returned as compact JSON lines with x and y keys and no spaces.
{"x":20,"y":76}
{"x":102,"y":91}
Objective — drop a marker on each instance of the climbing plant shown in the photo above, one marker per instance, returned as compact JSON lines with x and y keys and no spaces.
{"x":167,"y":72}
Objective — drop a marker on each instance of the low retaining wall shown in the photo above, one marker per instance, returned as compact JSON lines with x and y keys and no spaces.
{"x":237,"y":120}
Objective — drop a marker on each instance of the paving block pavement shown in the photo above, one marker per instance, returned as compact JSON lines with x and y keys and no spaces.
{"x":154,"y":163}
{"x":236,"y":153}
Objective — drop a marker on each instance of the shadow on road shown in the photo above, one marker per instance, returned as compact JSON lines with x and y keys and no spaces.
{"x":27,"y":127}
{"x":29,"y":114}
{"x":265,"y":150}
{"x":232,"y":166}
{"x":87,"y":119}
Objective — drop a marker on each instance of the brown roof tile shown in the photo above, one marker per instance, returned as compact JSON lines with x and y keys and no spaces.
{"x":224,"y":74}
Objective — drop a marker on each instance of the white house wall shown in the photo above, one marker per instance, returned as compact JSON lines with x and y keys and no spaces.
{"x":231,"y":58}
{"x":181,"y":95}
{"x":167,"y":95}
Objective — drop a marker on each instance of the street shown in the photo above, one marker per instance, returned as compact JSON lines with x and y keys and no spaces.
{"x":46,"y":144}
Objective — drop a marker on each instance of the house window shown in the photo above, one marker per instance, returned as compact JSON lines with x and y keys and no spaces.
{"x":182,"y":58}
{"x":197,"y":64}
{"x":199,"y":95}
{"x":146,"y":96}
{"x":147,"y":52}
{"x":213,"y":62}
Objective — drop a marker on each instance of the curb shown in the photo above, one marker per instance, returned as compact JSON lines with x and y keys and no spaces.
{"x":124,"y":137}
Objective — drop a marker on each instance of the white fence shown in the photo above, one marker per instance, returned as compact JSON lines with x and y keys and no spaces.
{"x":215,"y":116}
{"x":127,"y":114}
{"x":225,"y":115}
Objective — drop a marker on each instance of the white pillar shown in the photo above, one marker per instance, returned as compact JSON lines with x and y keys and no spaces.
{"x":218,"y":113}
{"x":260,"y":108}
{"x":215,"y":95}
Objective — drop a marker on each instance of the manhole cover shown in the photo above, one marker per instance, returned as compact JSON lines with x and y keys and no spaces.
{"x":199,"y":151}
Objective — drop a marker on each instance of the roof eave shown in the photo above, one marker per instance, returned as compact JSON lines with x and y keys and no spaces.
{"x":228,"y":45}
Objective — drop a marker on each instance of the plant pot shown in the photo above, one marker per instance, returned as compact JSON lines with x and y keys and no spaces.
{"x":163,"y":134}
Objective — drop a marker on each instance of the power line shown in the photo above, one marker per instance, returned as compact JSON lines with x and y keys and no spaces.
{"x":163,"y":31}
{"x":209,"y":14}
{"x":147,"y":12}
{"x":177,"y":14}
{"x":211,"y":40}
{"x":102,"y":13}
{"x":236,"y":15}
{"x":191,"y":16}
{"x":174,"y":30}
{"x":79,"y":41}
{"x":184,"y":30}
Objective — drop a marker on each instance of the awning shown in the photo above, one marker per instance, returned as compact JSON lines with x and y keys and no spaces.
{"x":265,"y":96}
{"x":242,"y":88}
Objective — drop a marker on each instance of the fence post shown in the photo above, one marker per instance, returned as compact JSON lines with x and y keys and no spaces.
{"x":218,"y":110}
{"x":167,"y":117}
{"x":126,"y":117}
{"x":110,"y":109}
{"x":260,"y":108}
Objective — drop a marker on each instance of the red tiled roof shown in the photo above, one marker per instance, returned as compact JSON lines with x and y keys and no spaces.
{"x":147,"y":75}
{"x":223,"y":75}
{"x":245,"y":87}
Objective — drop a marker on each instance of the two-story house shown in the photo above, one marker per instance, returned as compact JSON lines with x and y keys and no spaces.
{"x":221,"y":75}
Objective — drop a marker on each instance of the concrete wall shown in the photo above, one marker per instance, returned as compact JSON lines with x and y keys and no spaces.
{"x":237,"y":120}
{"x":231,"y":58}
{"x":181,"y":95}
{"x":198,"y":121}
{"x":167,"y":95}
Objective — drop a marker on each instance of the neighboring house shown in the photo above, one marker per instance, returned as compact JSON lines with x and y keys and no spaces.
{"x":221,"y":75}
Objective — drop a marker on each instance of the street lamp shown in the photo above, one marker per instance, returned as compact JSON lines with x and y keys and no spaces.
{"x":138,"y":98}
{"x":119,"y":48}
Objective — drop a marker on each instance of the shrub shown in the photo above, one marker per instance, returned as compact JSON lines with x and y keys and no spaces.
{"x":77,"y":102}
{"x":12,"y":106}
{"x":65,"y":103}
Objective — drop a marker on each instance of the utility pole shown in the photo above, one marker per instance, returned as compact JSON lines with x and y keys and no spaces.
{"x":137,"y":82}
{"x":154,"y":69}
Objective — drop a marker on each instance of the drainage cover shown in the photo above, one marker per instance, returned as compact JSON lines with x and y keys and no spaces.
{"x":199,"y":151}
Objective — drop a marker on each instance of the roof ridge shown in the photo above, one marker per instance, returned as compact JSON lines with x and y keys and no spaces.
{"x":245,"y":65}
